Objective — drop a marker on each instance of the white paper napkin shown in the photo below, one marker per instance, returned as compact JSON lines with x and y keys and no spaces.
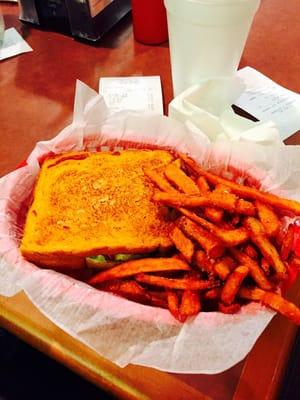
{"x":13,"y":44}
{"x":208,"y":106}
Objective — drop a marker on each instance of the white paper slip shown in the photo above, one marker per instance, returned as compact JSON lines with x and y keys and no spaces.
{"x":266,"y":100}
{"x":141,"y":93}
{"x":13,"y":44}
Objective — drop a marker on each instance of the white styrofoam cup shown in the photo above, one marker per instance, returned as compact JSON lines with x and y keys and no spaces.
{"x":206,"y":38}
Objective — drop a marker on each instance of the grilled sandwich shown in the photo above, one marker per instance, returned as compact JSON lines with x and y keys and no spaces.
{"x":88,"y":204}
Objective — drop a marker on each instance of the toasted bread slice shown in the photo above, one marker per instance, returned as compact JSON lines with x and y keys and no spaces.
{"x":95,"y":203}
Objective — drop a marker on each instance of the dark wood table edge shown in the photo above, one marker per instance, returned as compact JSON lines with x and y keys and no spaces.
{"x":130,"y":383}
{"x":254,"y":366}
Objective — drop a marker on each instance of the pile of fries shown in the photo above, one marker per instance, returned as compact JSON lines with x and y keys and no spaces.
{"x":231,"y":248}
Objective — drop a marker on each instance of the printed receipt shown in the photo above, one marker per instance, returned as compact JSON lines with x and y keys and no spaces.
{"x":266,"y":100}
{"x":142,"y":93}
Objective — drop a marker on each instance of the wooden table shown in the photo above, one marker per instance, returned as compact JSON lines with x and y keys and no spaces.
{"x":36,"y":102}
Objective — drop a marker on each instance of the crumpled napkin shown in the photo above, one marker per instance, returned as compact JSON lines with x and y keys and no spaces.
{"x":208,"y":108}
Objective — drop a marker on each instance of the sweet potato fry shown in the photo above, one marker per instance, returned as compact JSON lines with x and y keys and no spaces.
{"x":179,"y":178}
{"x":229,"y":308}
{"x":181,"y":284}
{"x":212,"y":246}
{"x":202,"y":184}
{"x":230,"y":237}
{"x":268,"y":218}
{"x":231,"y":262}
{"x":183,"y":200}
{"x":226,"y":225}
{"x":244,"y":191}
{"x":265,"y":265}
{"x":254,"y":226}
{"x":226,"y":201}
{"x":190,"y":303}
{"x":131,"y":290}
{"x":223,"y":267}
{"x":173,"y":305}
{"x":250,"y":251}
{"x":233,"y":284}
{"x":158,"y":299}
{"x":221,"y":188}
{"x":221,"y":270}
{"x":281,"y":305}
{"x":213,"y":214}
{"x":178,"y":256}
{"x":178,"y":163}
{"x":160,"y":181}
{"x":134,"y":267}
{"x":203,"y":262}
{"x":254,"y":270}
{"x":255,"y":294}
{"x":287,"y":243}
{"x":269,"y":251}
{"x":274,"y":301}
{"x":245,"y":207}
{"x":182,"y":243}
{"x":212,"y":294}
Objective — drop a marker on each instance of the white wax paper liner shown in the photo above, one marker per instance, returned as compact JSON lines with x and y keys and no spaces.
{"x":120,"y":330}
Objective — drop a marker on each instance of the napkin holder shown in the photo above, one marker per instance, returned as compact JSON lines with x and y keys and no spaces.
{"x":85,"y":19}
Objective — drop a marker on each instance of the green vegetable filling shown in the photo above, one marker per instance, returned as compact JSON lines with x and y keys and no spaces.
{"x":118,"y":257}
